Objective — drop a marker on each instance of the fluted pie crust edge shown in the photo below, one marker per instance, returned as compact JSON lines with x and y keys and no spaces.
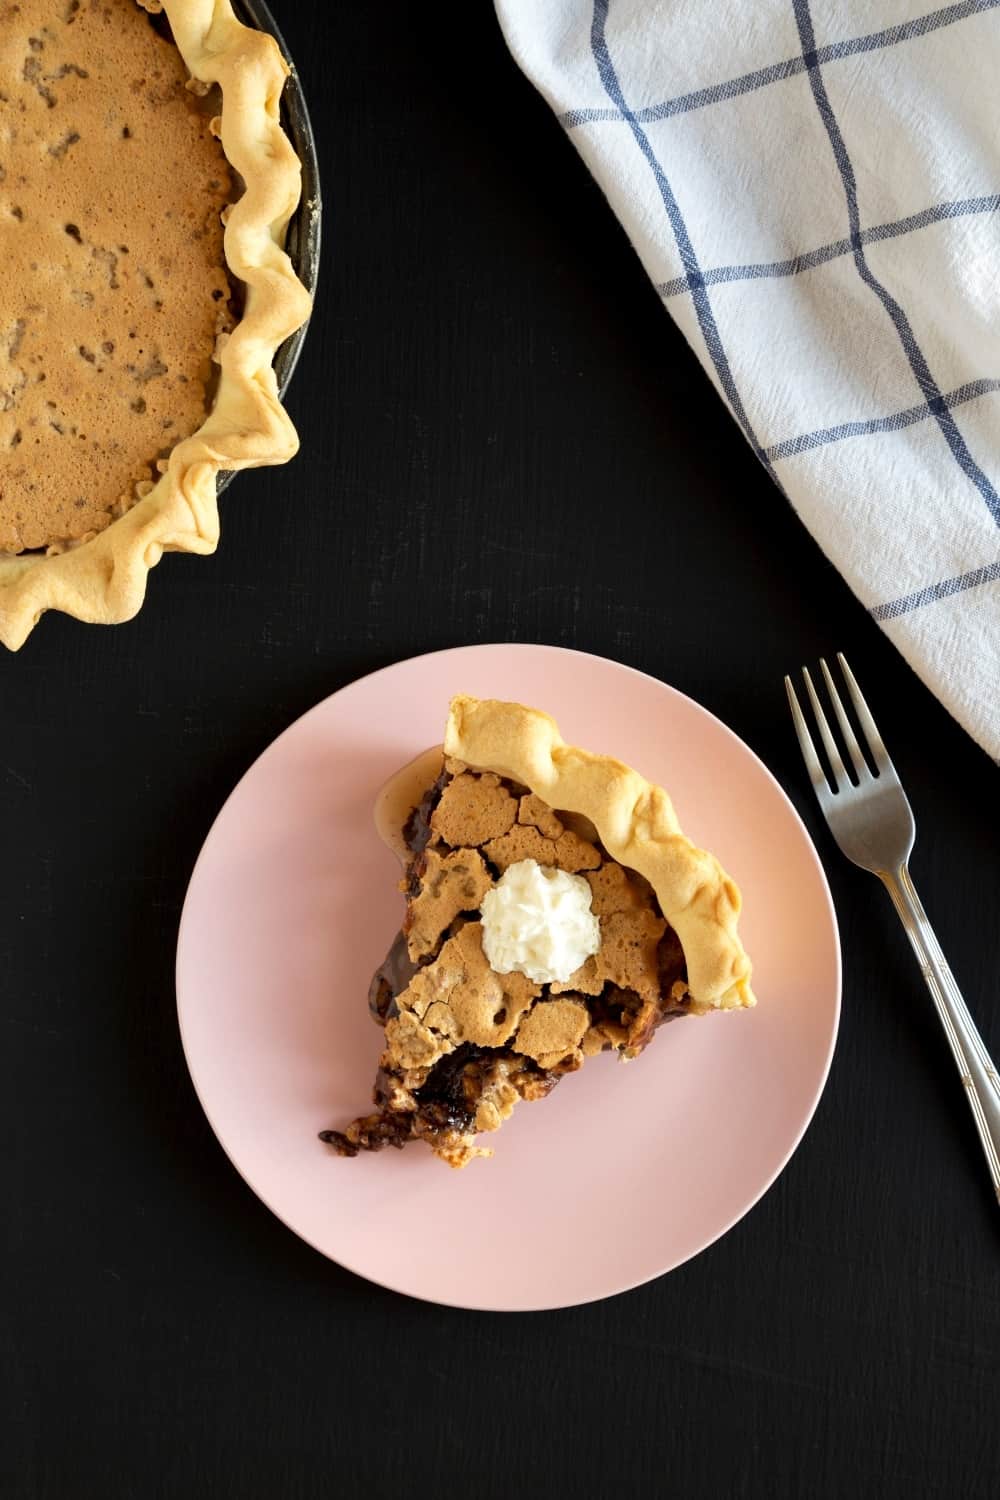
{"x":103,"y":581}
{"x":635,"y":822}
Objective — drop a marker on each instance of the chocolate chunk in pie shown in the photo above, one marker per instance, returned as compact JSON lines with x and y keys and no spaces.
{"x":554,"y":910}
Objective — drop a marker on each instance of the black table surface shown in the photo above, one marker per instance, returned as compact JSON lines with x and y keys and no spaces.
{"x":503,"y":438}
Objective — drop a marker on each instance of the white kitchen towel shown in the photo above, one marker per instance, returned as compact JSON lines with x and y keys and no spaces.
{"x":814,"y":188}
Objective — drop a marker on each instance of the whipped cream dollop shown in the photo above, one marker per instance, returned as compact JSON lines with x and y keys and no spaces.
{"x":538,"y":922}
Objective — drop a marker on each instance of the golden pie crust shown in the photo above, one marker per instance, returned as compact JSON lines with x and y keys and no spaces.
{"x":103,"y":579}
{"x":635,"y":822}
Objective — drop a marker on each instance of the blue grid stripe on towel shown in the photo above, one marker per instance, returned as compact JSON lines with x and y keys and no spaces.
{"x":975,"y":579}
{"x":788,"y":68}
{"x":689,"y":260}
{"x":759,"y":270}
{"x":894,"y":422}
{"x":915,"y":355}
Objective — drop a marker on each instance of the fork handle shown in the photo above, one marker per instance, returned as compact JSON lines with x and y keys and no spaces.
{"x":976,"y":1067}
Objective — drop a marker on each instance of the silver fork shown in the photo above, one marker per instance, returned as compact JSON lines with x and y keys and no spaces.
{"x":871,"y":820}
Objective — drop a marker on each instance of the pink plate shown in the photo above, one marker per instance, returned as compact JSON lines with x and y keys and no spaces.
{"x":626,"y":1170}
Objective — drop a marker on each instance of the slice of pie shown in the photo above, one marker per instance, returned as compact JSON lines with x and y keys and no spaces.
{"x":554,"y":910}
{"x":145,"y":187}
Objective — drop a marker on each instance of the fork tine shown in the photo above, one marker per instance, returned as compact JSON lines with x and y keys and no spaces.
{"x":816,"y":773}
{"x":839,"y":770}
{"x":846,"y":730}
{"x":876,"y":745}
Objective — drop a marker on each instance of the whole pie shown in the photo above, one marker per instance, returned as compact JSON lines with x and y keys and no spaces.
{"x":554,"y":910}
{"x":145,"y":187}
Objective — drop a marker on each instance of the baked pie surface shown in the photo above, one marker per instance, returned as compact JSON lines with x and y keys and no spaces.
{"x":113,"y":198}
{"x":463,"y":1042}
{"x":112,"y":296}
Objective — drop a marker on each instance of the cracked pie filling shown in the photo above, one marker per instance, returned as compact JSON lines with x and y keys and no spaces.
{"x":554,"y":910}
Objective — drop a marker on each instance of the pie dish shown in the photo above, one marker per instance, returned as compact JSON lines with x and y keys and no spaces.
{"x":139,"y":336}
{"x":467,"y":1035}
